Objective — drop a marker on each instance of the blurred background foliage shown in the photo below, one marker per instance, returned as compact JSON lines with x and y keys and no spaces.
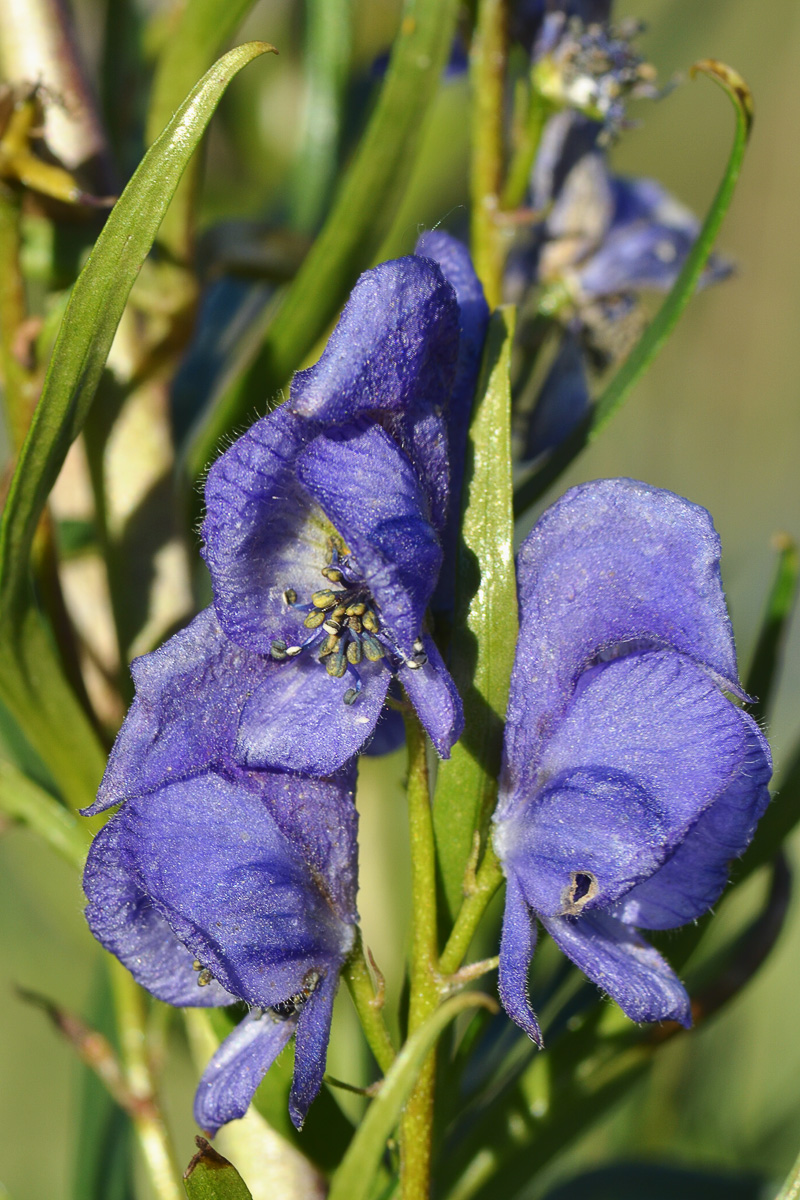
{"x":717,"y":420}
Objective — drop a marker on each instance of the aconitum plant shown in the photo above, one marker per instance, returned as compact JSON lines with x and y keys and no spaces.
{"x":288,"y":558}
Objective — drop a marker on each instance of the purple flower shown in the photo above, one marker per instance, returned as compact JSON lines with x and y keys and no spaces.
{"x":630,"y":780}
{"x":605,"y":240}
{"x":213,"y":884}
{"x":325,"y":524}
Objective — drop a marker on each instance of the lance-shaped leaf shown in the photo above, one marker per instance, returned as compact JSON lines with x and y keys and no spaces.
{"x":203,"y":29}
{"x":31,"y":680}
{"x":209,"y":1176}
{"x":483,"y":649}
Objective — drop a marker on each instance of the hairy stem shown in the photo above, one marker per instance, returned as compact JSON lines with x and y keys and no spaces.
{"x":368,"y":1006}
{"x":148,"y":1122}
{"x":416,"y":1129}
{"x":487,"y":881}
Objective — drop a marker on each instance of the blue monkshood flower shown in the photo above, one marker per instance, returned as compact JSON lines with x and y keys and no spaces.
{"x":215,"y":885}
{"x":605,"y":240}
{"x":325,"y":523}
{"x":629,"y":779}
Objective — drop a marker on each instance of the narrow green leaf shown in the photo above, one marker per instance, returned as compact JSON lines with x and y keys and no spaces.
{"x":762,"y":676}
{"x":23,"y":800}
{"x":360,"y":218}
{"x":209,"y":1176}
{"x":354,"y":1178}
{"x":93,"y":313}
{"x":32,"y":683}
{"x":326,"y":60}
{"x":202,"y":30}
{"x":486,"y":617}
{"x":659,"y":330}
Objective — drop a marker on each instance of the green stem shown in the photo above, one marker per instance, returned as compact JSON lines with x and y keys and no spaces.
{"x":416,"y":1129}
{"x":487,"y":881}
{"x":487,"y":72}
{"x":23,"y":800}
{"x":147,"y":1120}
{"x":524,"y":156}
{"x":368,"y":1005}
{"x":19,"y":384}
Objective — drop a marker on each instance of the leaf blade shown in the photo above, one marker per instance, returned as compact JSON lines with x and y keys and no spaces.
{"x":483,"y":650}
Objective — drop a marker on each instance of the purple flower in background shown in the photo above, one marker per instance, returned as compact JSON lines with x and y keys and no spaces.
{"x":605,"y":240}
{"x":629,"y":779}
{"x":213,"y":884}
{"x":325,"y":524}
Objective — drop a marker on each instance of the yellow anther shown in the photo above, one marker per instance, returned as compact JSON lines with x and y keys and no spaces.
{"x":356,"y":610}
{"x":204,"y":978}
{"x":314,"y":619}
{"x":354,"y":652}
{"x":338,"y":612}
{"x":335,"y":665}
{"x":329,"y":645}
{"x":324,"y":599}
{"x":333,"y":573}
{"x":372,"y":648}
{"x":354,"y":623}
{"x":370,"y":621}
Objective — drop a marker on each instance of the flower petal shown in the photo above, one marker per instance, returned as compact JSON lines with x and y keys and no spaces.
{"x":297,"y":720}
{"x":372,"y":494}
{"x":614,"y":565}
{"x":647,"y":745}
{"x":236,"y":891}
{"x":229,"y":1082}
{"x":122,"y":918}
{"x":393,"y":350}
{"x":189,"y":694}
{"x":311,"y":1048}
{"x":431,"y":690}
{"x":516,"y":951}
{"x":693,"y":878}
{"x":614,"y":957}
{"x":262,"y":533}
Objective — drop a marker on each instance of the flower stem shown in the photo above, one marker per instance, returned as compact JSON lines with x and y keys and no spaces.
{"x":19,"y":383}
{"x":368,"y":1006}
{"x":147,"y":1120}
{"x":416,"y":1129}
{"x":524,"y":156}
{"x":487,"y":881}
{"x":487,"y":73}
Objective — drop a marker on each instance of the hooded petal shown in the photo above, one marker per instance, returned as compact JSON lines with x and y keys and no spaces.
{"x":230,"y":1080}
{"x":516,"y":950}
{"x":622,"y":964}
{"x":238,"y":893}
{"x":614,"y":566}
{"x":372,"y":494}
{"x":431,"y":690}
{"x":262,"y":533}
{"x":189,"y":694}
{"x":393,"y":350}
{"x":693,"y":878}
{"x":311,"y":1048}
{"x":297,"y":720}
{"x":122,"y":918}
